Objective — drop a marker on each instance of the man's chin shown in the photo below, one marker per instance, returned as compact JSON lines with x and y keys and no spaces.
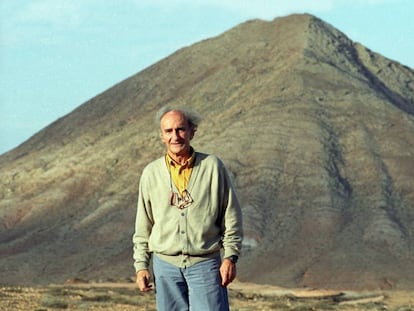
{"x":178,"y":151}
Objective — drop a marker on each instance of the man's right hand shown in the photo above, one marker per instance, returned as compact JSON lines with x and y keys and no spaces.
{"x":143,"y":280}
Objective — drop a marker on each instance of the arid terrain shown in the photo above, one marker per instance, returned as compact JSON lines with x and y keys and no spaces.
{"x":243,"y":297}
{"x":316,"y":130}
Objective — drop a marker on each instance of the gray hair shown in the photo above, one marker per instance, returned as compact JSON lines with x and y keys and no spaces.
{"x":192,"y":117}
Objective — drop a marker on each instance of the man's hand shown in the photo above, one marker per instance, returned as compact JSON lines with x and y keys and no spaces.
{"x":227,"y":272}
{"x":143,"y":280}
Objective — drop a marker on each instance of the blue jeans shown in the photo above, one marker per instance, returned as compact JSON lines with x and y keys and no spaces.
{"x":196,"y":288}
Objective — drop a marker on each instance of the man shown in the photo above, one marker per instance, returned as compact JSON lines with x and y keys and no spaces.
{"x":187,"y":215}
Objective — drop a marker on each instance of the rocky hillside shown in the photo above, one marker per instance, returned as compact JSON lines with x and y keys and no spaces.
{"x":316,"y":130}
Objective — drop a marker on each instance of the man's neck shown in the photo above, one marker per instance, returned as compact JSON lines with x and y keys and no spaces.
{"x":181,"y":158}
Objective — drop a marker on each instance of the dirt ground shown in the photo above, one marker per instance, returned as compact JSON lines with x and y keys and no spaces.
{"x":243,"y":297}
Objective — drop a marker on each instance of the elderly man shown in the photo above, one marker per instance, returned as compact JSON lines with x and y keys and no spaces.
{"x":188,"y":218}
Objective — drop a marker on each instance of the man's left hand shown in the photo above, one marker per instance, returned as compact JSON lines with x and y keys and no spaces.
{"x":227,"y":272}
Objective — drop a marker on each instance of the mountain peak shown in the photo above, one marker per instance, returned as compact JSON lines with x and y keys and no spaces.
{"x":315,"y":129}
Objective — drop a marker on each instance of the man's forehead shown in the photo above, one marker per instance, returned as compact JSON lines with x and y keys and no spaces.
{"x":174,"y":118}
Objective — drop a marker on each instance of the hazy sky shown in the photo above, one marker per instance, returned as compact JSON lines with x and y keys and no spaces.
{"x":56,"y":54}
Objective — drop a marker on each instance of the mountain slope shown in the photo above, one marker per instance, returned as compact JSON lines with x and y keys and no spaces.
{"x":316,"y":130}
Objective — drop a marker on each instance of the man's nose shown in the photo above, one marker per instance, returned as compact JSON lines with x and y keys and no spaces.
{"x":175,"y":134}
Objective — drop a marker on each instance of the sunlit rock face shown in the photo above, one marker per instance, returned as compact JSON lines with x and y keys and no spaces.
{"x":316,"y":130}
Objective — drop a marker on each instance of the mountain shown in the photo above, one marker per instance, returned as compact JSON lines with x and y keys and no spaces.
{"x":315,"y":129}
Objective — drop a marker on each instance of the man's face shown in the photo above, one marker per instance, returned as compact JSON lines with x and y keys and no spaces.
{"x":176,"y":133}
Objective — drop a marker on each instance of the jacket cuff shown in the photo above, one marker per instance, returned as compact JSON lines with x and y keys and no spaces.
{"x":230,"y":252}
{"x":140,"y":266}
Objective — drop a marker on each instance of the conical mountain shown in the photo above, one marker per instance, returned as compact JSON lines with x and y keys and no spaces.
{"x":316,"y":130}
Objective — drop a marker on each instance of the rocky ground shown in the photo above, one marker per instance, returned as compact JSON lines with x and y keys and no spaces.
{"x":243,"y":296}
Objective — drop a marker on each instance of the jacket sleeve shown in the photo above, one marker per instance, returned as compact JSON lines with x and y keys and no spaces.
{"x":143,"y":227}
{"x":232,"y":225}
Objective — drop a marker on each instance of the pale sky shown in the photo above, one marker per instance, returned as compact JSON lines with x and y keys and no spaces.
{"x":57,"y":54}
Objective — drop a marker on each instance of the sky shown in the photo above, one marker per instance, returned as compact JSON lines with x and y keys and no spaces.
{"x":57,"y":54}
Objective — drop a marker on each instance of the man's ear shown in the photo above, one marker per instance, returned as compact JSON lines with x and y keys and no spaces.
{"x":162,"y":137}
